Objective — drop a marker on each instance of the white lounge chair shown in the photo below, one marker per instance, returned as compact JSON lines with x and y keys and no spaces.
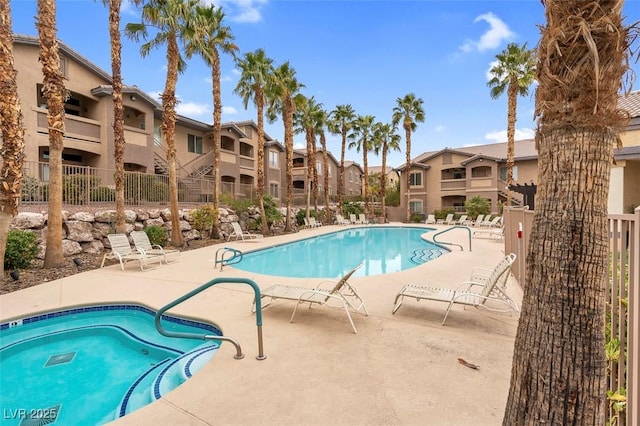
{"x":341,"y":294}
{"x":314,"y":223}
{"x":478,"y":220}
{"x":493,"y":223}
{"x":340,"y":220}
{"x":431,"y":220}
{"x":491,"y":232}
{"x":462,"y":220}
{"x":122,"y":251}
{"x":144,"y":246}
{"x":239,"y":234}
{"x":447,"y":221}
{"x":484,"y":289}
{"x":362,"y":218}
{"x":354,"y":219}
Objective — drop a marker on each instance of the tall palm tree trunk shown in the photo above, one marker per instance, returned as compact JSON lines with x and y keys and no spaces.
{"x":365,"y":166}
{"x":341,"y":172}
{"x":54,"y":92}
{"x":169,"y":130}
{"x":512,"y":96}
{"x":314,"y":172}
{"x":260,"y":190}
{"x":558,"y":375}
{"x":288,"y":141}
{"x":217,"y":124}
{"x":12,"y":132}
{"x":118,"y":110}
{"x":383,"y":182}
{"x":407,"y":131}
{"x":325,"y":171}
{"x":309,"y":136}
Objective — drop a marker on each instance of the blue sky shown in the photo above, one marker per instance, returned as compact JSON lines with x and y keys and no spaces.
{"x":366,"y":53}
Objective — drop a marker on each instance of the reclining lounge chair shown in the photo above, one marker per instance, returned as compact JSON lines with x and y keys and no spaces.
{"x":484,"y":286}
{"x":342,"y":294}
{"x":122,"y":251}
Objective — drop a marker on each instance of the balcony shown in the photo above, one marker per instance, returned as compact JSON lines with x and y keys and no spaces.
{"x":453,"y":184}
{"x":79,"y":132}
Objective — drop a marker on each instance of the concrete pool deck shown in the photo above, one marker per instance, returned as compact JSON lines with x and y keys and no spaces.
{"x":399,"y":369}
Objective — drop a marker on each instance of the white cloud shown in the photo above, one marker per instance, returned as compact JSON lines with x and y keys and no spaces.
{"x":501,"y":135}
{"x":243,"y":11}
{"x":299,"y":145}
{"x":497,"y":33}
{"x":191,"y":109}
{"x":236,"y":71}
{"x":439,"y":128}
{"x":229,"y":110}
{"x":492,"y":64}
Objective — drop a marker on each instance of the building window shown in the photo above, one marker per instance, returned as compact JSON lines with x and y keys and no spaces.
{"x":319,"y":168}
{"x":274,"y":190}
{"x":330,"y":169}
{"x":415,"y":207}
{"x":194,"y":144}
{"x":273,"y":159}
{"x":415,"y":179}
{"x":503,"y":173}
{"x":350,"y":176}
{"x":63,"y":67}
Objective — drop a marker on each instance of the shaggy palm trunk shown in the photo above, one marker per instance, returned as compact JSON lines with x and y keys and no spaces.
{"x":309,"y":136}
{"x":314,"y":173}
{"x":341,"y":172}
{"x":288,"y":141}
{"x":118,"y":111}
{"x":407,"y":131}
{"x":217,"y":125}
{"x":365,"y":166}
{"x":383,"y":181}
{"x":325,"y":170}
{"x":512,"y":96}
{"x":12,"y":132}
{"x":260,"y":107}
{"x":169,"y":131}
{"x":559,"y":371}
{"x":54,"y":92}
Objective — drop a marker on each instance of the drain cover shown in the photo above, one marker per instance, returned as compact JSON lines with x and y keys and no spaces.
{"x":60,"y":359}
{"x":41,"y":417}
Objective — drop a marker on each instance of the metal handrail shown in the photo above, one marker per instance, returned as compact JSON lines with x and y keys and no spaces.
{"x":449,"y":229}
{"x":258,"y":304}
{"x":236,"y":257}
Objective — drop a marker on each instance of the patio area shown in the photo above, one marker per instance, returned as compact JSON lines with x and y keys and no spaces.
{"x":399,"y":369}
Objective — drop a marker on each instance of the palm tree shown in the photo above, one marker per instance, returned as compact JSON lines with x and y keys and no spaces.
{"x":118,"y":109}
{"x":173,"y":21}
{"x":209,"y":37}
{"x":385,"y":139}
{"x":281,"y":94}
{"x":12,"y":132}
{"x":54,"y":92}
{"x":514,"y":73}
{"x":361,"y":136}
{"x":257,"y":71}
{"x":559,"y":368}
{"x":340,"y":121}
{"x":409,"y":111}
{"x":322,"y":122}
{"x":305,"y":121}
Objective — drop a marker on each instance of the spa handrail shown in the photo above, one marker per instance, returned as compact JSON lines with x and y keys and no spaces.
{"x":239,"y":354}
{"x":236,"y":257}
{"x":452,"y":244}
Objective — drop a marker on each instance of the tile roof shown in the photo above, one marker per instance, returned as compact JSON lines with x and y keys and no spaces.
{"x":631,"y":103}
{"x":524,"y":149}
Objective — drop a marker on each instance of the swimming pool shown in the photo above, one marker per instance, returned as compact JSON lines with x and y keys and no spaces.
{"x":383,"y":249}
{"x":93,"y":364}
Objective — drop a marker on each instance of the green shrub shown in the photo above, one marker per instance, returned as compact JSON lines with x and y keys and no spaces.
{"x":351,"y":207}
{"x":140,"y":187}
{"x":393,"y":195}
{"x":30,"y":189}
{"x":76,"y":188}
{"x":203,"y":218}
{"x":476,"y":206}
{"x":271,"y":210}
{"x":416,"y":218}
{"x":157,"y":235}
{"x":22,"y":247}
{"x":442,"y":213}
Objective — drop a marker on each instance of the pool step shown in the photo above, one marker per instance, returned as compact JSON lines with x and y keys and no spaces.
{"x":421,"y":256}
{"x":138,"y":393}
{"x":180,"y":369}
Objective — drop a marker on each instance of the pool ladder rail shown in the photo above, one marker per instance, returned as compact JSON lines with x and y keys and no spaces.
{"x":227,"y":256}
{"x":451,"y":228}
{"x":181,"y":335}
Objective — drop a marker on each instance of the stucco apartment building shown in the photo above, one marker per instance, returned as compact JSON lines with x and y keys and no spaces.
{"x":88,"y":139}
{"x":448,"y":177}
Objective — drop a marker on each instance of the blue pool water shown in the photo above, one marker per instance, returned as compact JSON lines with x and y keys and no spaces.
{"x":94,"y":364}
{"x":383,"y":249}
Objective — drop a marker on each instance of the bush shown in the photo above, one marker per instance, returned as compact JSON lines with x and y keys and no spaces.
{"x":442,"y":214}
{"x":476,"y":206}
{"x":157,"y":235}
{"x":22,"y":247}
{"x":417,"y":218}
{"x":139,"y":187}
{"x":30,"y":189}
{"x":204,"y":218}
{"x":393,"y":195}
{"x":302,"y":214}
{"x":271,"y":210}
{"x":350,"y":207}
{"x":75,"y":188}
